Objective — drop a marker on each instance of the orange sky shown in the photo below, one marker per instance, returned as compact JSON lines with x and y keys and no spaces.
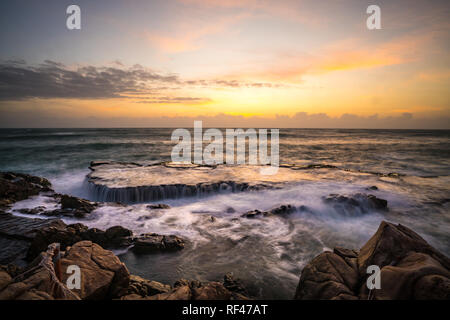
{"x":257,"y":59}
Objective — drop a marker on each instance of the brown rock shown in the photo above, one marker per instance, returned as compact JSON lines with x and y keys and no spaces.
{"x":102,"y":273}
{"x":404,"y":280}
{"x":144,"y":287}
{"x":328,"y":276}
{"x":152,"y":242}
{"x":38,"y":281}
{"x":391,"y":243}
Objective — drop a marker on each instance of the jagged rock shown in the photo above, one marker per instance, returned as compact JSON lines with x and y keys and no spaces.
{"x":67,"y":235}
{"x":158,"y":206}
{"x":38,"y":281}
{"x":36,"y":210}
{"x":252,"y":214}
{"x":103,"y":275}
{"x":410,"y":269}
{"x":152,"y":242}
{"x":404,"y":258}
{"x":18,"y":186}
{"x":144,"y":287}
{"x":281,"y":210}
{"x":72,"y":207}
{"x":330,"y":275}
{"x":355,"y":204}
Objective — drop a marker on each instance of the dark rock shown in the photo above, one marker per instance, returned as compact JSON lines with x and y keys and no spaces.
{"x":36,"y":210}
{"x":67,"y":235}
{"x":372,"y":188}
{"x":281,"y":210}
{"x":158,"y":206}
{"x":18,"y":186}
{"x":252,"y":214}
{"x":355,"y":204}
{"x":152,"y":242}
{"x":74,"y":203}
{"x":230,"y":210}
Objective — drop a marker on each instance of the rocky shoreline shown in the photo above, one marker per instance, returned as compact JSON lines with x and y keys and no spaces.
{"x":34,"y":251}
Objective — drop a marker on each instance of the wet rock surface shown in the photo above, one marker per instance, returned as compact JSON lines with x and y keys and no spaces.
{"x":280,"y":211}
{"x":355,"y":204}
{"x":18,"y":186}
{"x":410,"y":269}
{"x":152,"y":242}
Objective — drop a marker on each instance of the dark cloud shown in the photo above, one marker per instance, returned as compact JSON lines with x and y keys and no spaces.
{"x":51,"y":79}
{"x":20,"y":81}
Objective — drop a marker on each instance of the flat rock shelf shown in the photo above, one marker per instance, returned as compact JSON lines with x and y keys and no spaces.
{"x":134,"y":183}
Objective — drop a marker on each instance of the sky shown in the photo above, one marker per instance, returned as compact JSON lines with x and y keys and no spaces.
{"x":230,"y":63}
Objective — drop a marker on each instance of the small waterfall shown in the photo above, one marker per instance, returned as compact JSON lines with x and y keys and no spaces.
{"x":142,"y":194}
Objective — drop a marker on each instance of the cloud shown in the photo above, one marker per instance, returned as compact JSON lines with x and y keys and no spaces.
{"x":42,"y":119}
{"x":51,"y":79}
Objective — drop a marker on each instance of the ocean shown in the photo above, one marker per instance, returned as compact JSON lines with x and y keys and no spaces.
{"x":410,"y":168}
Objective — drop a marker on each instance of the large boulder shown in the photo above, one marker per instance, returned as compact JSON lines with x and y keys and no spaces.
{"x":103,"y":275}
{"x":331,"y":275}
{"x":38,"y":281}
{"x":410,"y":269}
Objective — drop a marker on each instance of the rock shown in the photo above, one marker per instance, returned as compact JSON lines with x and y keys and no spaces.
{"x":391,"y":243}
{"x":409,"y":269}
{"x":74,"y":203}
{"x":38,"y":281}
{"x":103,"y":275}
{"x":152,"y":242}
{"x":5,"y":279}
{"x":281,"y":210}
{"x":158,"y":206}
{"x":372,"y":188}
{"x":117,"y":232}
{"x":330,"y":275}
{"x":18,"y":186}
{"x":67,"y":235}
{"x":36,"y":210}
{"x":144,"y":287}
{"x":355,"y":204}
{"x":252,"y":214}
